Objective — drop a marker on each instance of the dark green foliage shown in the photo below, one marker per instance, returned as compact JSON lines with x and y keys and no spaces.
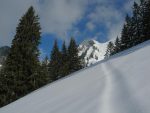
{"x":126,"y":34}
{"x":65,"y":61}
{"x":45,"y":71}
{"x":55,"y":62}
{"x":22,"y":72}
{"x":136,"y":24}
{"x":110,"y":50}
{"x":147,"y":13}
{"x":124,"y":38}
{"x":75,"y":62}
{"x":4,"y":51}
{"x":136,"y":28}
{"x":145,"y":19}
{"x":117,"y":45}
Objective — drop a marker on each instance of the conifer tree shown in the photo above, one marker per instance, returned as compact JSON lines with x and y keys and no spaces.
{"x":22,"y":67}
{"x":55,"y":62}
{"x":135,"y":30}
{"x":75,"y":62}
{"x":3,"y":90}
{"x":124,"y":37}
{"x":110,"y":50}
{"x":142,"y":12}
{"x":145,"y":9}
{"x":65,"y":64}
{"x":147,"y":13}
{"x":45,"y":69}
{"x":136,"y":24}
{"x":45,"y":61}
{"x":117,"y":45}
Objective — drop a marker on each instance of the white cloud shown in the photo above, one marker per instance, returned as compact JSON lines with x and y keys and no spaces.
{"x":90,"y":26}
{"x":11,"y":11}
{"x":59,"y":16}
{"x":112,"y":18}
{"x":56,"y":16}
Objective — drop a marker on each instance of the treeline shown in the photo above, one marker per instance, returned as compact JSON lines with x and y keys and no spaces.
{"x":135,"y":30}
{"x":22,"y":71}
{"x":63,"y":62}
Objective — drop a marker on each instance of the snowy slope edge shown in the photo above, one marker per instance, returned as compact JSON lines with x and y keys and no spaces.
{"x":118,"y":85}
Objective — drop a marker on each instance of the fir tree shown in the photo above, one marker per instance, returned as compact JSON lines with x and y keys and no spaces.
{"x":117,"y":45}
{"x":136,"y":24}
{"x":145,"y":8}
{"x":3,"y":90}
{"x":22,"y":67}
{"x":124,"y":36}
{"x":147,"y":13}
{"x":75,"y":62}
{"x":65,"y":64}
{"x":55,"y":62}
{"x":45,"y":69}
{"x":144,"y":19}
{"x":110,"y":50}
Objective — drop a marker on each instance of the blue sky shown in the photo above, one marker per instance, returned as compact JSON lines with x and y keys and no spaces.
{"x":101,"y":20}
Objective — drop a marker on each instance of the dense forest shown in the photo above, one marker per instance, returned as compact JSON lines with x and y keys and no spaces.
{"x":136,"y":29}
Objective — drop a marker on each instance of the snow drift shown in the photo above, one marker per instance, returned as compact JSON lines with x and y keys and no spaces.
{"x":118,"y":85}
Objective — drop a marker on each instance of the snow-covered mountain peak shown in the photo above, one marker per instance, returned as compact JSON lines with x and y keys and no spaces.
{"x":88,"y":43}
{"x":92,"y":51}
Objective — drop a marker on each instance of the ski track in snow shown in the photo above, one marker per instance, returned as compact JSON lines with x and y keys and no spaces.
{"x":117,"y":90}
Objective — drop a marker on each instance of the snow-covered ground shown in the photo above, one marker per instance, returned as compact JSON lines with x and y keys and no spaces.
{"x":119,"y":85}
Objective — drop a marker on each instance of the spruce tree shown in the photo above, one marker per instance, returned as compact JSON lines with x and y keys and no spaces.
{"x":45,"y":70}
{"x":22,"y":67}
{"x":147,"y":13}
{"x":124,"y":36}
{"x":110,"y":50}
{"x":145,"y":7}
{"x":65,"y":64}
{"x":55,"y":62}
{"x":75,"y":62}
{"x":117,"y":45}
{"x":136,"y":24}
{"x":3,"y":90}
{"x":143,"y":16}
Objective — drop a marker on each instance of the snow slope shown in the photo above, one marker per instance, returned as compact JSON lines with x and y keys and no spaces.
{"x":118,"y":85}
{"x":92,"y":51}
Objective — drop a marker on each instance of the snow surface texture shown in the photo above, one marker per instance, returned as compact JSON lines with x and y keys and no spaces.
{"x":92,"y":51}
{"x":118,"y":85}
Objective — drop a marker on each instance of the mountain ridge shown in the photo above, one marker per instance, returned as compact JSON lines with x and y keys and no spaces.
{"x":92,"y":51}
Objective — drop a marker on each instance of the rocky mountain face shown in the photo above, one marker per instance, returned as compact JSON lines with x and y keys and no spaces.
{"x":92,"y":51}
